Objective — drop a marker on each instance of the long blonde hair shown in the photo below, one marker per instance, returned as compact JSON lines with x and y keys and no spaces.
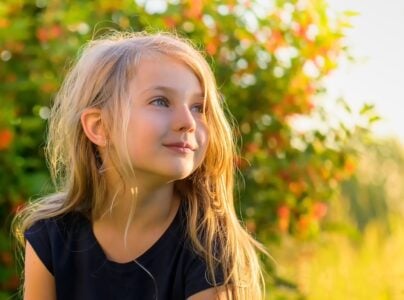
{"x":100,"y":79}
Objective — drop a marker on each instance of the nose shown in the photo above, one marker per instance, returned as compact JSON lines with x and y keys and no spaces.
{"x":183,"y":119}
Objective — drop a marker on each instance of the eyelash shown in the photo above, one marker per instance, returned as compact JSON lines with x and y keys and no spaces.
{"x":166,"y":103}
{"x":160,"y":99}
{"x":199,"y":107}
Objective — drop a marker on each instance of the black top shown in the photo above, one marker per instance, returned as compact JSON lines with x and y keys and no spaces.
{"x":68,"y":248}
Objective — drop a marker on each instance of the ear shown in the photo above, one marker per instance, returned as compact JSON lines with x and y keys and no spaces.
{"x":93,"y":127}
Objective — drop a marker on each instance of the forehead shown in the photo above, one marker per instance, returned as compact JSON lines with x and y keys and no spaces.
{"x":162,"y":71}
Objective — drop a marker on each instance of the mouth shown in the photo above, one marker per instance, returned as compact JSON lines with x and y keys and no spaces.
{"x":180,"y":147}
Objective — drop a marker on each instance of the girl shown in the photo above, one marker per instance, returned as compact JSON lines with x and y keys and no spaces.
{"x":142,"y":157}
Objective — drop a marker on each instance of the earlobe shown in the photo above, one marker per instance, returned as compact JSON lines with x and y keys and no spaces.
{"x":91,"y":121}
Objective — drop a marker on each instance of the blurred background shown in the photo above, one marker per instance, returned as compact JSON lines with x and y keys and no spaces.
{"x":315,"y":88}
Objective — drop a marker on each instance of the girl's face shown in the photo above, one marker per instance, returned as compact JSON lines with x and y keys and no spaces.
{"x":167,"y":132}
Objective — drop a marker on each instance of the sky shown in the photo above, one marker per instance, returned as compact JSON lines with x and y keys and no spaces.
{"x":377,"y":42}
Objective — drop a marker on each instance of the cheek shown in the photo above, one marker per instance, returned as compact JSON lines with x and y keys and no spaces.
{"x":144,"y":126}
{"x":141,"y":140}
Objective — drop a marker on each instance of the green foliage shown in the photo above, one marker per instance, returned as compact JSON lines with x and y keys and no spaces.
{"x":375,"y":192}
{"x":337,"y":267}
{"x":269,"y":61}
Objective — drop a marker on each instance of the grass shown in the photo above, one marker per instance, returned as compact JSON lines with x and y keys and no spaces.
{"x":338,"y":267}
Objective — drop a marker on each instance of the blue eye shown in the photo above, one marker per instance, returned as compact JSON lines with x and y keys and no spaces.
{"x":198,"y":108}
{"x":160,"y":101}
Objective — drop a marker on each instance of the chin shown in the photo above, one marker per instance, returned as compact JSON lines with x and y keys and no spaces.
{"x":180,"y":174}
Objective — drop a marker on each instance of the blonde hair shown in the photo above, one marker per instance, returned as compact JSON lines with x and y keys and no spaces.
{"x":100,"y":79}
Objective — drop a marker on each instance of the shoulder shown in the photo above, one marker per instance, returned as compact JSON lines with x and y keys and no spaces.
{"x":50,"y":236}
{"x":59,"y":225}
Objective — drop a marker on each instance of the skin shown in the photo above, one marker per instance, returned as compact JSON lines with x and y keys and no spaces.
{"x":167,"y":107}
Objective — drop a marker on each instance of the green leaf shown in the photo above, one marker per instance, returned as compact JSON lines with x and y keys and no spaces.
{"x":374,"y":119}
{"x":366,"y":108}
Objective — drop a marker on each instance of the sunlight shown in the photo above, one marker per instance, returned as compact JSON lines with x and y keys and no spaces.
{"x":376,"y":76}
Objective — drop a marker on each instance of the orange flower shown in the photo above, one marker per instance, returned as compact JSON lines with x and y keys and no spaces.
{"x":296,"y":187}
{"x":350,"y":166}
{"x":6,"y":137}
{"x":45,"y":34}
{"x":194,"y":10}
{"x":169,"y":22}
{"x":54,"y":32}
{"x":320,"y":210}
{"x":303,"y":224}
{"x":283,"y":213}
{"x":211,"y":47}
{"x":275,"y":41}
{"x":252,"y":148}
{"x":42,"y":35}
{"x":4,"y":23}
{"x":300,"y":31}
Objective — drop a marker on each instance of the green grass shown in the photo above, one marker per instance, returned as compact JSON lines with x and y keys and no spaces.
{"x":371,"y":267}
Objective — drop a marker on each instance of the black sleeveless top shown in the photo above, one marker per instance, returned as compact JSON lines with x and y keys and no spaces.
{"x":169,"y":269}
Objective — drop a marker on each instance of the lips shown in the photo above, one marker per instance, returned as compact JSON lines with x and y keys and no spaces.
{"x":180,"y":147}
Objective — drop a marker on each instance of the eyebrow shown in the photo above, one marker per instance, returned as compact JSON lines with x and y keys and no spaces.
{"x":169,"y":90}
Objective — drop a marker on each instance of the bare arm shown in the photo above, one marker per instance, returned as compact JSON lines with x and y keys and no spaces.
{"x":39,"y":283}
{"x":211,"y":294}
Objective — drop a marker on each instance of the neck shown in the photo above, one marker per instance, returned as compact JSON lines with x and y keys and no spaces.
{"x":146,"y":207}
